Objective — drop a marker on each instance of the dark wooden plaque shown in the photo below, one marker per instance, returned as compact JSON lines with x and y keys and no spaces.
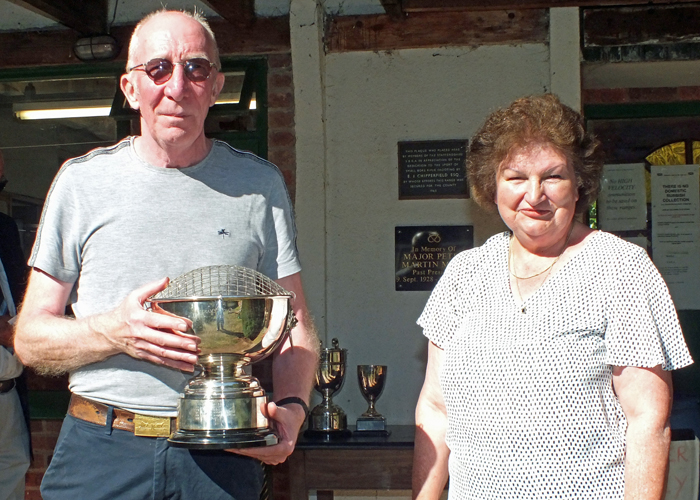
{"x":433,"y":169}
{"x":423,"y":252}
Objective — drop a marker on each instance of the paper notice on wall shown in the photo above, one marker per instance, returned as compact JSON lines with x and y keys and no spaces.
{"x":638,"y":240}
{"x":675,"y":229}
{"x":622,"y":203}
{"x":683,"y":477}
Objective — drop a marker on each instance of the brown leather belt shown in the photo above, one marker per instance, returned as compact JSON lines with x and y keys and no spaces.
{"x":7,"y":385}
{"x":141,"y":425}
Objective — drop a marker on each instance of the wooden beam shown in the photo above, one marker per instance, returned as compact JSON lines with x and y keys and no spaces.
{"x":456,"y":5}
{"x":24,"y":49}
{"x":268,"y":35}
{"x":641,"y":25}
{"x":428,"y":29}
{"x":47,"y":48}
{"x":393,"y":8}
{"x":237,"y":12}
{"x":86,"y":18}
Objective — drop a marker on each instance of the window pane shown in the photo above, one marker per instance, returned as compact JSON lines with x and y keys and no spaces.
{"x":34,"y":149}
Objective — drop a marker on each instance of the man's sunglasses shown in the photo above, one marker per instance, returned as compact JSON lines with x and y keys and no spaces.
{"x":160,"y":70}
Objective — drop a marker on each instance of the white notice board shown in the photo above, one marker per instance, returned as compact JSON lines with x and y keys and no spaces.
{"x":622,"y":203}
{"x":675,"y":229}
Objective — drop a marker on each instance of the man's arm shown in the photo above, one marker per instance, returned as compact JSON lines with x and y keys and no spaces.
{"x":293,"y":374}
{"x":52,"y":343}
{"x":645,"y":395}
{"x":430,"y":453}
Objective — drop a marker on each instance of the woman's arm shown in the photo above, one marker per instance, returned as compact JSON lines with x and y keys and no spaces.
{"x":430,"y":453}
{"x":645,"y":395}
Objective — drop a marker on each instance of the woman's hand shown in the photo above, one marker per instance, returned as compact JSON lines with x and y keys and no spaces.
{"x":430,"y":451}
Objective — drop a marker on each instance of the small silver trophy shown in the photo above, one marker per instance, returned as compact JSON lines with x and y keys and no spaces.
{"x":328,"y":419}
{"x":371,"y":379}
{"x":241,"y":316}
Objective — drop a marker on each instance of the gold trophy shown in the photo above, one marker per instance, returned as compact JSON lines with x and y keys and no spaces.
{"x":328,"y":419}
{"x":241,"y":316}
{"x":371,"y":379}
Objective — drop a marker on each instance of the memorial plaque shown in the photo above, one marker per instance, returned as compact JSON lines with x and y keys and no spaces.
{"x":423,"y":252}
{"x":433,"y":169}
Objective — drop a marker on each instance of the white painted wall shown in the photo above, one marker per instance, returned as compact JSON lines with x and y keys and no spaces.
{"x":565,"y":55}
{"x":372,"y":101}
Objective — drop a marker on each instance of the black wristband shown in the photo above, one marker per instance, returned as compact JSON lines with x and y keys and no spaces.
{"x":294,"y":399}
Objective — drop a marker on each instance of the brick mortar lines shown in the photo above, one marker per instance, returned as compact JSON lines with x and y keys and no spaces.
{"x":281,"y":134}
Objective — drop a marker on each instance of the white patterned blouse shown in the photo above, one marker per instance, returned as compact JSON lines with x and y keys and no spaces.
{"x":530,"y":403}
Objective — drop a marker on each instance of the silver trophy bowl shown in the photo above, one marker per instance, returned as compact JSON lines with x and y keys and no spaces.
{"x":241,"y":316}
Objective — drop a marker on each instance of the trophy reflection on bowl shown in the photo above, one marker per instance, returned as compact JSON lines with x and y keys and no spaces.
{"x":327,"y":419}
{"x":241,"y":316}
{"x":371,"y":379}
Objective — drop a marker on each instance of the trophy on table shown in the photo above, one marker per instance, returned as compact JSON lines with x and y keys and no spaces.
{"x":241,"y":316}
{"x":328,"y":419}
{"x":371,"y":379}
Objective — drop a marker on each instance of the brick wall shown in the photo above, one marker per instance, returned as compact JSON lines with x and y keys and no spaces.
{"x":281,"y":139}
{"x":44,"y":436}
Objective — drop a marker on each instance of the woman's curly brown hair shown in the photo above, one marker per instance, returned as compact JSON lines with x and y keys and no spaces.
{"x":529,"y":121}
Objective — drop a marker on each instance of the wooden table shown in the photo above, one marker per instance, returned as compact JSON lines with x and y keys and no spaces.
{"x":354,"y":463}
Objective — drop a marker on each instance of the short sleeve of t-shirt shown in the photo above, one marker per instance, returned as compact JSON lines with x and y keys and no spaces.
{"x":280,"y":258}
{"x":58,"y":245}
{"x":642,"y":328}
{"x":457,"y":287}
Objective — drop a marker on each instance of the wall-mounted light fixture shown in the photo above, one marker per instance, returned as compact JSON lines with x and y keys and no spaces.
{"x":252,"y":105}
{"x":61,"y":109}
{"x":96,"y":48}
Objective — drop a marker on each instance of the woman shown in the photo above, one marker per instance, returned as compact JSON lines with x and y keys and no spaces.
{"x":551,"y":344}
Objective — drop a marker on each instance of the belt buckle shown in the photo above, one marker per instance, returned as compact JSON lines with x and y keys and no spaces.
{"x":145,"y":425}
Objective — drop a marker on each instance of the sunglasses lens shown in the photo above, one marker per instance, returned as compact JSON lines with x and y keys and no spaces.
{"x":197,"y":70}
{"x":159,"y":70}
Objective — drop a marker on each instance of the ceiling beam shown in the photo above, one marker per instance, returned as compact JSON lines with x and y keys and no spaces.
{"x":24,"y":49}
{"x":86,"y":18}
{"x":410,"y":6}
{"x":237,"y":12}
{"x":379,"y":32}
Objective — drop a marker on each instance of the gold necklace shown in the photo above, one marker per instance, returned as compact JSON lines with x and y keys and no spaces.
{"x":548,"y":270}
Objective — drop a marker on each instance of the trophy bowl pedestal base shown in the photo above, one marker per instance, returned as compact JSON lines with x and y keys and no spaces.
{"x":223,"y":439}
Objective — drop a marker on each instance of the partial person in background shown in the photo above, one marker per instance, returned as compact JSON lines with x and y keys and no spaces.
{"x":14,"y":426}
{"x":551,"y":344}
{"x":116,"y":223}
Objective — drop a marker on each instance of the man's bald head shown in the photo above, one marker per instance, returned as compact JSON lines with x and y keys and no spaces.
{"x":134,"y":43}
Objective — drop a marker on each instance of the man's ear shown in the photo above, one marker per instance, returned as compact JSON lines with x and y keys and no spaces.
{"x":129,"y":90}
{"x":216,"y":88}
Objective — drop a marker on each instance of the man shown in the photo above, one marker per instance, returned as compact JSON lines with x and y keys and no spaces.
{"x":14,"y":433}
{"x":116,"y":222}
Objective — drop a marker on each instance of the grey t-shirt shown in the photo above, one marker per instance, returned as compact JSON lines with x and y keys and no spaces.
{"x":113,"y":222}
